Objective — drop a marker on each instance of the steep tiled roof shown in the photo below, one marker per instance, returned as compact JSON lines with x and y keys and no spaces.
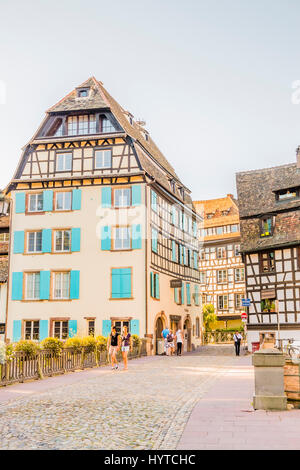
{"x":256,"y":189}
{"x":99,"y":98}
{"x":215,"y":207}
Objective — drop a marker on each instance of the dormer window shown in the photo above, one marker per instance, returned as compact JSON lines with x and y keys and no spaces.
{"x":172,"y":184}
{"x":266,"y":229}
{"x":181,"y":190}
{"x":82,"y":92}
{"x":130,"y":120}
{"x":146,"y":137}
{"x":286,"y":194}
{"x":107,"y":126}
{"x":81,"y":125}
{"x":210,"y":215}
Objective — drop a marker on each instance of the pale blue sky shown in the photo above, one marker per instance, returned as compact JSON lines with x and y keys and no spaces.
{"x":212,"y":78}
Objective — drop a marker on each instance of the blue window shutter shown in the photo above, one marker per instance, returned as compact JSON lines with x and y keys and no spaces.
{"x":44,"y":285}
{"x":75,"y":239}
{"x":174,"y":251}
{"x":157,"y":286}
{"x":19,"y":237}
{"x":136,"y":192}
{"x":76,"y":199}
{"x":188,"y":293}
{"x":74,"y":285}
{"x":173,"y":215}
{"x":184,"y":255}
{"x":115,"y":283}
{"x":135,"y":327}
{"x":43,"y":329}
{"x":195,"y":229}
{"x":105,"y":238}
{"x":136,"y":236}
{"x":126,"y":283}
{"x":17,"y":329}
{"x":195,"y":260}
{"x":182,"y":293}
{"x":106,"y":197}
{"x":47,"y":240}
{"x":48,"y":200}
{"x":17,"y":286}
{"x":72,"y":328}
{"x":154,"y":240}
{"x":20,"y":203}
{"x":106,"y":327}
{"x":180,"y":254}
{"x":151,"y":284}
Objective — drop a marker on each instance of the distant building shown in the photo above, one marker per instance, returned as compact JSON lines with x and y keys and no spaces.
{"x":269,"y":203}
{"x":4,"y":251}
{"x":222,"y":275}
{"x":101,"y":226}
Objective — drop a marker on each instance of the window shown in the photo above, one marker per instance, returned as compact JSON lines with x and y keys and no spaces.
{"x":202,"y":255}
{"x":172,"y":184}
{"x":268,"y":305}
{"x":237,"y":250}
{"x":122,"y":197}
{"x":202,"y":277}
{"x":107,"y":126}
{"x":102,"y":159}
{"x":32,"y":329}
{"x":64,"y":161}
{"x":222,"y":302}
{"x":221,"y":276}
{"x":153,"y":201}
{"x":287,"y":194}
{"x":197,"y":327}
{"x":4,"y":237}
{"x":63,"y":201}
{"x":154,"y":240}
{"x":91,"y":327}
{"x":82,"y":93}
{"x":119,"y":324}
{"x":267,"y":262}
{"x":266,"y":227}
{"x":34,"y":242}
{"x":61,"y":329}
{"x":61,"y":285}
{"x":122,"y":238}
{"x":219,"y":230}
{"x":35,"y":203}
{"x":221,"y":252}
{"x":62,"y":240}
{"x":154,"y":285}
{"x":239,"y":274}
{"x":82,"y":125}
{"x":235,"y":228}
{"x":32,"y":287}
{"x":238,"y":300}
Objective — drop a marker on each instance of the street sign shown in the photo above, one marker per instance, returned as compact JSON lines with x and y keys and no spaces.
{"x":244,"y":316}
{"x":175,"y":283}
{"x":246,"y":302}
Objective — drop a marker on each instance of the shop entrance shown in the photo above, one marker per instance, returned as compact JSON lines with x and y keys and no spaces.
{"x":187,"y":330}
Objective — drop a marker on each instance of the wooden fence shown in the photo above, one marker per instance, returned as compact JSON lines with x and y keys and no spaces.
{"x":21,"y":367}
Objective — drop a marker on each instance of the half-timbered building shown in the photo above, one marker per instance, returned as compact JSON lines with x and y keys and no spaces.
{"x":222,"y":278}
{"x":269,"y":204}
{"x":4,"y":250}
{"x":101,"y":225}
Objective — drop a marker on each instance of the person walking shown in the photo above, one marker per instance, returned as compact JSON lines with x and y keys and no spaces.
{"x":126,"y":345}
{"x":179,"y":339}
{"x":164,"y":335}
{"x":237,"y":338}
{"x":113,"y":346}
{"x":170,"y":343}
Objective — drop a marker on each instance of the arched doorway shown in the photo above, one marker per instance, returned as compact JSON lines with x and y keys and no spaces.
{"x":160,"y":324}
{"x":187,"y":330}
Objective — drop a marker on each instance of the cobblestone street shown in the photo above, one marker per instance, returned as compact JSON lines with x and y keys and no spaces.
{"x":144,"y":408}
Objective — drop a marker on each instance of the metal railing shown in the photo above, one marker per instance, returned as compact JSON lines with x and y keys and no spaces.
{"x":219,"y":337}
{"x":20,"y":367}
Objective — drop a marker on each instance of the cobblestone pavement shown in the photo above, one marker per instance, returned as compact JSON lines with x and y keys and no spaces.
{"x":146,"y":407}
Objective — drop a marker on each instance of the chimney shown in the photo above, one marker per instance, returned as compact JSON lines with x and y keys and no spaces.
{"x":298,"y":157}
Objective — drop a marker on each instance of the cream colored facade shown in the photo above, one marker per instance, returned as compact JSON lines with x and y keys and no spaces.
{"x":107,"y":284}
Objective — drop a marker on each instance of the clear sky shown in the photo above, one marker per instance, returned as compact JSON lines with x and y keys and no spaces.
{"x":211,"y":78}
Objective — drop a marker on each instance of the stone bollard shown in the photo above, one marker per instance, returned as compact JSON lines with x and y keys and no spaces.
{"x":269,"y":382}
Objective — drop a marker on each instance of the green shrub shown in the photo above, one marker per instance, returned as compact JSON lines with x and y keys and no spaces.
{"x":52,"y":344}
{"x":136,"y":341}
{"x":75,"y":343}
{"x":9,"y":351}
{"x":30,"y":348}
{"x":89,"y":343}
{"x":101,"y":343}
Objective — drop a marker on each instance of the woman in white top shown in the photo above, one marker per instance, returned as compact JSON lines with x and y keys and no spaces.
{"x":179,"y":340}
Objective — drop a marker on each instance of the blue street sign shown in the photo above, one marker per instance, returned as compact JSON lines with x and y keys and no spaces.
{"x":246,"y":302}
